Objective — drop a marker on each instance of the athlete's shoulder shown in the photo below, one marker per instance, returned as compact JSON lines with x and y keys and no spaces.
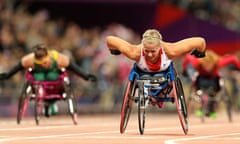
{"x":54,"y":54}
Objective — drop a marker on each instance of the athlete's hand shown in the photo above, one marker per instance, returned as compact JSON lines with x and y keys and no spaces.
{"x":115,"y":52}
{"x":92,"y":78}
{"x":3,"y":76}
{"x":184,"y":73}
{"x":198,"y":54}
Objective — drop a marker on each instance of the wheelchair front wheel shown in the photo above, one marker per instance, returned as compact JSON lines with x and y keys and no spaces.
{"x":180,"y":104}
{"x":141,"y":112}
{"x":38,"y":104}
{"x":126,"y":109}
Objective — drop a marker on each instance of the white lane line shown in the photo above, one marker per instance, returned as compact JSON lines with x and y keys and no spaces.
{"x":175,"y":141}
{"x":90,"y":134}
{"x":34,"y":128}
{"x":53,"y":136}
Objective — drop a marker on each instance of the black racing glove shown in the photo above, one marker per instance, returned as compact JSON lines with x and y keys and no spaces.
{"x":80,"y":72}
{"x":3,"y":76}
{"x":115,"y":52}
{"x":184,"y":73}
{"x":92,"y":78}
{"x":12,"y":71}
{"x":198,"y":54}
{"x":233,"y":67}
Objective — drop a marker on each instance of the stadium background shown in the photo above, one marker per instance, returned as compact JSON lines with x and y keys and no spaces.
{"x":78,"y":27}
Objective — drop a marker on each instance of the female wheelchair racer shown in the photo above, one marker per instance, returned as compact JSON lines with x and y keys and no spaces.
{"x":148,"y":86}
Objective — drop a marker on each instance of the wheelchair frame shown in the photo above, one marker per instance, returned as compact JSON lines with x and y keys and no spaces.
{"x":152,"y":86}
{"x":206,"y":96}
{"x":43,"y":93}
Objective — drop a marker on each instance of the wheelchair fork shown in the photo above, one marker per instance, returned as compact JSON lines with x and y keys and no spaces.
{"x":146,"y":92}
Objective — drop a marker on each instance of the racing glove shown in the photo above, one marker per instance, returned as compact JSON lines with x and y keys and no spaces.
{"x":115,"y":52}
{"x":198,"y":54}
{"x":76,"y":69}
{"x":92,"y":78}
{"x":13,"y":71}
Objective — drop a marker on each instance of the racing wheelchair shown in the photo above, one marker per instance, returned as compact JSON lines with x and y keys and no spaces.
{"x":142,"y":87}
{"x":43,"y":93}
{"x":206,"y":95}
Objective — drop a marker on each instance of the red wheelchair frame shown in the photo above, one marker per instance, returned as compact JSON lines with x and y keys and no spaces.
{"x":44,"y":93}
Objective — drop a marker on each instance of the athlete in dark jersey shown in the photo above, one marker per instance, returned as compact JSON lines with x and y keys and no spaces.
{"x":46,"y":65}
{"x":207,"y":68}
{"x":205,"y":73}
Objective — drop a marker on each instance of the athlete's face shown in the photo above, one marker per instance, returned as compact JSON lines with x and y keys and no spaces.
{"x":151,"y":51}
{"x":45,"y":62}
{"x":208,"y":67}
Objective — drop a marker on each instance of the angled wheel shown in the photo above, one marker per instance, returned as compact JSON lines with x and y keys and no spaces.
{"x":204,"y":106}
{"x":127,"y":103}
{"x":228,"y":103}
{"x":72,"y":105}
{"x":190,"y":101}
{"x":72,"y":108}
{"x":141,"y":110}
{"x":23,"y":101}
{"x":180,"y":104}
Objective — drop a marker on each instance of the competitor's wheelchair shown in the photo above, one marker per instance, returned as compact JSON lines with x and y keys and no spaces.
{"x":142,"y":88}
{"x":206,"y":95}
{"x":43,"y":93}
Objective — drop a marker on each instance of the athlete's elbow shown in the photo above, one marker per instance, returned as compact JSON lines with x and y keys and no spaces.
{"x":202,"y":42}
{"x":109,"y":41}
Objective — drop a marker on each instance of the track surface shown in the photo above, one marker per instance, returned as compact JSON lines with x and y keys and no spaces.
{"x":104,"y":129}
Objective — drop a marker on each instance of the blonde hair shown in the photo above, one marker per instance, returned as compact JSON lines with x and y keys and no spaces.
{"x":151,"y":36}
{"x":210,"y":58}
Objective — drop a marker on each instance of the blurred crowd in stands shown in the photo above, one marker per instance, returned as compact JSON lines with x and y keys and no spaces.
{"x":20,"y":30}
{"x":224,"y":12}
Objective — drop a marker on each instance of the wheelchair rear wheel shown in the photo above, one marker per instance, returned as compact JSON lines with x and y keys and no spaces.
{"x":180,"y":104}
{"x":72,"y":105}
{"x":205,"y":101}
{"x":228,"y":103}
{"x":72,"y":108}
{"x":229,"y":109}
{"x":23,"y":101}
{"x":128,"y":101}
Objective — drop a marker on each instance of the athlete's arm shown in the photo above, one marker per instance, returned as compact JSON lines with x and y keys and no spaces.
{"x":129,"y":50}
{"x":229,"y":60}
{"x":181,"y":47}
{"x":62,"y":60}
{"x":65,"y":62}
{"x":25,"y":62}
